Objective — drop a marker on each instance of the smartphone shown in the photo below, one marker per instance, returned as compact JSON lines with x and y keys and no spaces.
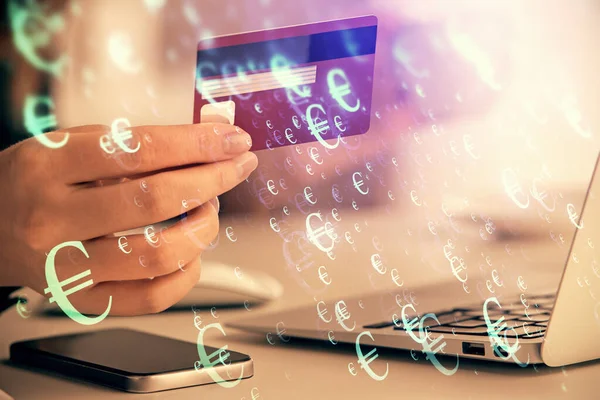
{"x":128,"y":360}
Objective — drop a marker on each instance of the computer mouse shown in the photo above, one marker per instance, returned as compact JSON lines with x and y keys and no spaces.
{"x":223,"y":284}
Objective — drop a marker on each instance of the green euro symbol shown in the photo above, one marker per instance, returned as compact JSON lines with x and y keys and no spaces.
{"x":220,"y":355}
{"x":60,"y":297}
{"x":37,"y":125}
{"x":28,"y":42}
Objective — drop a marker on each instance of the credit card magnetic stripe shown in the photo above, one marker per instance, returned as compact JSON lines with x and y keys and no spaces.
{"x":251,"y":83}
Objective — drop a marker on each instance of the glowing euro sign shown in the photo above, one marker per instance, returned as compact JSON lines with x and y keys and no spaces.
{"x":338,"y":92}
{"x":37,"y":125}
{"x":28,"y":42}
{"x":512,"y":188}
{"x":494,"y":328}
{"x":322,"y":312}
{"x":365,"y":360}
{"x":342,"y":314}
{"x":541,"y":196}
{"x":457,"y":269}
{"x":319,"y":127}
{"x":410,"y":326}
{"x":120,"y":50}
{"x":56,"y":288}
{"x":573,"y":216}
{"x":430,"y":352}
{"x":221,"y":356}
{"x":314,"y":235}
{"x":120,"y":133}
{"x":281,"y":69}
{"x":358,"y":183}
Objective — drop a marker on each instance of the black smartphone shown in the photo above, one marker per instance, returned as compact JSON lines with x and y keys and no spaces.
{"x":130,"y":360}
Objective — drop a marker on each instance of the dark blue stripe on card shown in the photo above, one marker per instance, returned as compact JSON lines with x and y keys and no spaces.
{"x":295,"y":50}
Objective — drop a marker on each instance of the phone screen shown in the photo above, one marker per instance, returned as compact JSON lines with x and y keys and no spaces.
{"x":126,"y":351}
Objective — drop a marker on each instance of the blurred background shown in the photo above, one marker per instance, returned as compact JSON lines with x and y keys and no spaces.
{"x":463,"y":89}
{"x":479,"y":107}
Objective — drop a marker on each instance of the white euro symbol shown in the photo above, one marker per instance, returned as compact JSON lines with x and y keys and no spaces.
{"x":119,"y":136}
{"x":320,"y":127}
{"x":359,"y":183}
{"x":230,"y":235}
{"x":573,"y":216}
{"x":338,"y":92}
{"x":274,"y":225}
{"x":314,"y":154}
{"x":314,"y":235}
{"x":377,"y":264}
{"x":322,"y":312}
{"x":290,"y":135}
{"x":271,"y":187}
{"x":396,"y":277}
{"x":339,"y":123}
{"x":123,"y":245}
{"x":323,"y":275}
{"x":512,"y":187}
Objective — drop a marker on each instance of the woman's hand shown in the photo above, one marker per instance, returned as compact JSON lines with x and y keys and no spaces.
{"x":94,"y":186}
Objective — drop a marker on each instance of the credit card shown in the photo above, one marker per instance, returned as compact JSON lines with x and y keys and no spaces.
{"x":291,"y":85}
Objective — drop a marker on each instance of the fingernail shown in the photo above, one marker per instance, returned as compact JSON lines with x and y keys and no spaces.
{"x":215,"y":203}
{"x":246,"y":164}
{"x":234,"y":143}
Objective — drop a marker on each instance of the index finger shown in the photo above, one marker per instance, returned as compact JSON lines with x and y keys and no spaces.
{"x":103,"y":154}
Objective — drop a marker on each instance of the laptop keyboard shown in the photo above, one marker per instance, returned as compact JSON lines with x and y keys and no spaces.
{"x":470,"y":320}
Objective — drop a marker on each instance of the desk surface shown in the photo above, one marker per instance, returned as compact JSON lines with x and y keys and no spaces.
{"x":314,"y":370}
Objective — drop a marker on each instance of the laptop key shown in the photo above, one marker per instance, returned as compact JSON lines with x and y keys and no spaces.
{"x":470,"y":323}
{"x":379,"y":325}
{"x":535,"y":318}
{"x":480,"y":331}
{"x":523,"y":331}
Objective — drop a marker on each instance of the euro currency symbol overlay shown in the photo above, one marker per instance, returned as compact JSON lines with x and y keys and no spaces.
{"x":25,"y":17}
{"x":430,"y":351}
{"x":324,"y":275}
{"x":358,"y":183}
{"x":500,"y":345}
{"x":377,"y":264}
{"x":120,"y":133}
{"x":573,"y":216}
{"x":458,"y":265}
{"x":314,"y":235}
{"x":365,"y":360}
{"x":339,"y":92}
{"x":37,"y":125}
{"x":208,"y":361}
{"x":342,"y":314}
{"x":513,"y":188}
{"x":60,"y":297}
{"x":424,"y":340}
{"x":322,"y":312}
{"x":319,"y":126}
{"x":281,"y":332}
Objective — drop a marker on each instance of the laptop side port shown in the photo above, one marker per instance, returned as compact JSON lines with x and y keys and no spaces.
{"x":475,"y":349}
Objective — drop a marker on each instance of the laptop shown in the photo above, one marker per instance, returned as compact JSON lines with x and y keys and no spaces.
{"x":556,"y":328}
